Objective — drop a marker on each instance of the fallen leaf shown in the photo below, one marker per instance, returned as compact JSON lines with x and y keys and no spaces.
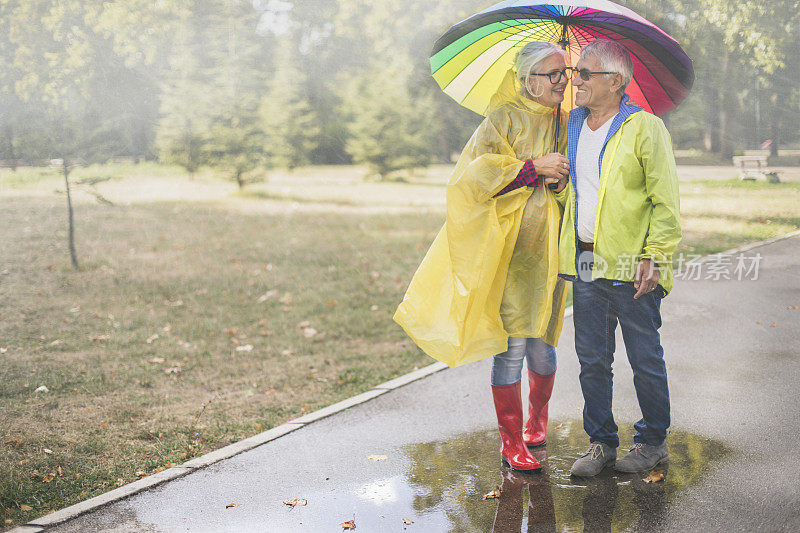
{"x":104,"y":425}
{"x":758,"y":322}
{"x":245,"y":348}
{"x":24,"y":507}
{"x":173,"y":370}
{"x":231,"y":505}
{"x":140,"y":473}
{"x":377,"y":457}
{"x":48,"y":451}
{"x":34,"y":474}
{"x":304,"y":324}
{"x":330,"y":303}
{"x":492,"y":495}
{"x":267,"y":295}
{"x":59,"y":472}
{"x":56,"y":342}
{"x":9,"y":521}
{"x":231,"y":331}
{"x":151,"y":338}
{"x":24,"y":461}
{"x":101,"y":338}
{"x":309,"y":332}
{"x":73,"y":441}
{"x":287,"y":352}
{"x":296,"y":501}
{"x":373,"y":308}
{"x":48,"y":478}
{"x":286,"y":298}
{"x":772,"y":325}
{"x":264,"y":333}
{"x":407,"y":522}
{"x":350,"y":524}
{"x":157,"y":360}
{"x":654,"y":476}
{"x":167,"y":328}
{"x":559,"y":426}
{"x":42,"y":389}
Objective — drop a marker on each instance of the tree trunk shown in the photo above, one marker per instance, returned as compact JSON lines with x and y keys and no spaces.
{"x":711,"y":102}
{"x":9,"y":138}
{"x":777,"y":122}
{"x":72,"y":254}
{"x":726,"y":110}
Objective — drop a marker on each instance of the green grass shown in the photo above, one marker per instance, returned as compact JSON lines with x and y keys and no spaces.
{"x":188,"y":260}
{"x":193,"y":275}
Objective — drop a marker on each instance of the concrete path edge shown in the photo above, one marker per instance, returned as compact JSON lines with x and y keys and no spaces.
{"x":68,"y":513}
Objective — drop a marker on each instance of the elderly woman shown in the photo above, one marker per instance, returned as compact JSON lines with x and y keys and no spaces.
{"x":488,"y":286}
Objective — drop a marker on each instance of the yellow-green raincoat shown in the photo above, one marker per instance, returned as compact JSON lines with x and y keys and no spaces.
{"x":492,"y":271}
{"x":638,"y":206}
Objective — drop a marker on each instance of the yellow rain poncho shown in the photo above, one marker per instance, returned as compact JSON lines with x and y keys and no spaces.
{"x":492,"y":271}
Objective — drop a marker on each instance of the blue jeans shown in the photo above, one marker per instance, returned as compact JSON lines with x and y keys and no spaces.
{"x":598,"y":306}
{"x":507,"y":366}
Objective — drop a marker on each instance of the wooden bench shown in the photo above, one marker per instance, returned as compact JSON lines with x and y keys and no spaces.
{"x":753,"y":167}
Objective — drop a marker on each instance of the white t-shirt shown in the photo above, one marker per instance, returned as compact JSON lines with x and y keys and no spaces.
{"x":587,"y":176}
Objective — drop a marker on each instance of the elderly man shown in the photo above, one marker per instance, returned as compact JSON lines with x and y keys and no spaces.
{"x":619,"y":231}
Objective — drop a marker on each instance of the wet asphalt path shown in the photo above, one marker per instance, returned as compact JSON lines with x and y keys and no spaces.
{"x":736,"y":422}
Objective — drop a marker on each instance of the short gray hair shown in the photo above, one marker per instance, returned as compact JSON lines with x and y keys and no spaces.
{"x":613,"y":57}
{"x":531,"y":55}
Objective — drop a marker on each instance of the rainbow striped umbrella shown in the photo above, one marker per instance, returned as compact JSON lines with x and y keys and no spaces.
{"x":471,"y":59}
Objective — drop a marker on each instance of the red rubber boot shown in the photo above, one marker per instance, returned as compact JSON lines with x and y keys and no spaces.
{"x":508,"y":406}
{"x":535,"y":433}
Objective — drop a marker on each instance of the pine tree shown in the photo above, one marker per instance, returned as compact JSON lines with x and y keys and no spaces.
{"x":291,"y":129}
{"x":389,"y":126}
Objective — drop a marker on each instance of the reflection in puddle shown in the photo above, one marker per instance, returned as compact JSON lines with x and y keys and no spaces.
{"x":449,"y":477}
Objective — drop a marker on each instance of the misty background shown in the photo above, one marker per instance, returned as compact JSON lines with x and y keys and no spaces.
{"x":244,"y":86}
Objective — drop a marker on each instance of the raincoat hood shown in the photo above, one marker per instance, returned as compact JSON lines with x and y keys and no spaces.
{"x":510,"y":93}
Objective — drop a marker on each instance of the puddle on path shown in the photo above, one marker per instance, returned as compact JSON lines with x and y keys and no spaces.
{"x":439,"y":485}
{"x":450,"y":477}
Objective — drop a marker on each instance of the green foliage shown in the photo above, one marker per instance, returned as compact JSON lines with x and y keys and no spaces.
{"x":291,"y":127}
{"x":390,"y":130}
{"x":329,"y":82}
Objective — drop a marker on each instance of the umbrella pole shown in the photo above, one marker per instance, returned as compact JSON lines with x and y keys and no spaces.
{"x":564,"y":42}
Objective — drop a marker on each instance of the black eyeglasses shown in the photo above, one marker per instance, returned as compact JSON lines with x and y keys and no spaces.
{"x":554,"y":76}
{"x":585,"y":73}
{"x":569,"y":73}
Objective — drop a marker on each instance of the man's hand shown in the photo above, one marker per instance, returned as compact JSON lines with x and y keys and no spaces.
{"x":646,"y":279}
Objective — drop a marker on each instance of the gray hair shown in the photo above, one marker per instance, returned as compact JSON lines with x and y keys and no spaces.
{"x":531,"y":55}
{"x":613,"y":57}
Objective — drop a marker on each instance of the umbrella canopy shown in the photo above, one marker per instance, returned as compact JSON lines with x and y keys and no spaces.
{"x":471,"y":60}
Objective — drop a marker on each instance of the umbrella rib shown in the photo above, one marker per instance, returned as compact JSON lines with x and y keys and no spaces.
{"x":582,"y":33}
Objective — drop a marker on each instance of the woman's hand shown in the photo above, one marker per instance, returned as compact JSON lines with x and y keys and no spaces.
{"x":552,"y":165}
{"x":562,"y":182}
